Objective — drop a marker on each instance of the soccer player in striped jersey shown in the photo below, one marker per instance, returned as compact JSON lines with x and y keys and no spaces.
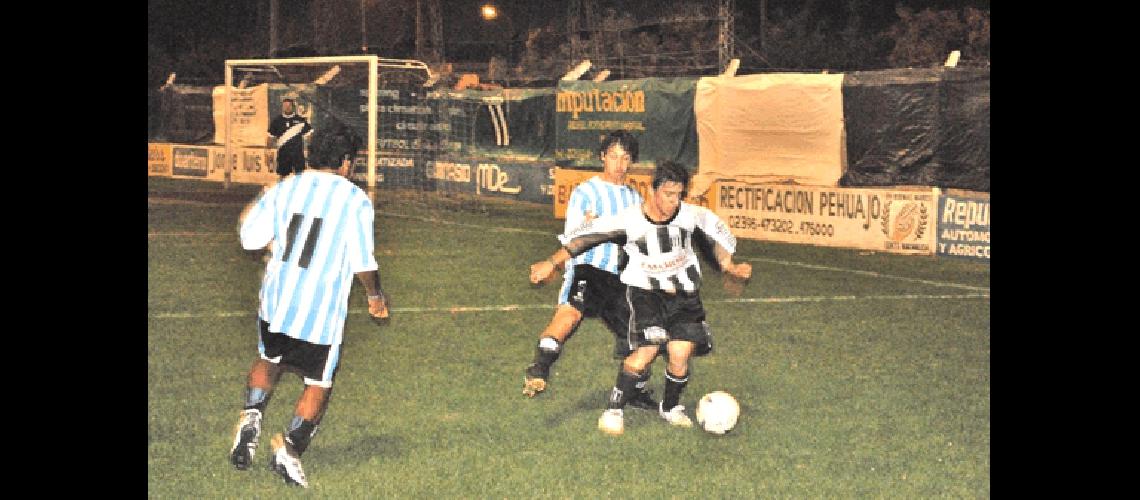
{"x":664,"y":281}
{"x":590,"y":287}
{"x":320,"y":229}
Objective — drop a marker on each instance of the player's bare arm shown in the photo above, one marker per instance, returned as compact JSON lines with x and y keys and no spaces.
{"x":377,"y":301}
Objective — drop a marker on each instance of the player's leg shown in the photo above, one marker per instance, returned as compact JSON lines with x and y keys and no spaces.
{"x":645,"y":338}
{"x":676,"y":378}
{"x":687,"y":330}
{"x":262,"y":378}
{"x":612,"y":420}
{"x":318,"y":364}
{"x":614,"y":309}
{"x":549,"y":348}
{"x":567,"y":317}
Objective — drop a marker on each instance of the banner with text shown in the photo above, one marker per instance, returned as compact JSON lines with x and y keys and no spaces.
{"x":659,"y":111}
{"x":217,"y":165}
{"x":892,"y":220}
{"x":964,"y":224}
{"x":191,"y":161}
{"x":158,"y":159}
{"x":255,"y":166}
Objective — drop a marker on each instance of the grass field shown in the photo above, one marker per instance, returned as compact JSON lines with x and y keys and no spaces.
{"x":859,"y":374}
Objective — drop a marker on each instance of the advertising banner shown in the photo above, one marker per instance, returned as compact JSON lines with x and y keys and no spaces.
{"x":895,"y":220}
{"x":159,"y":159}
{"x":255,"y":166}
{"x":191,"y":161}
{"x":964,"y":224}
{"x":217,"y":165}
{"x":518,"y":181}
{"x":659,"y":111}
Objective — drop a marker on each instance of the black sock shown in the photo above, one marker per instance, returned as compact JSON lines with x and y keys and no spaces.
{"x":256,"y":399}
{"x":545,"y":354}
{"x":623,"y":389}
{"x":673,"y":387}
{"x":642,"y":381}
{"x":300,"y":433}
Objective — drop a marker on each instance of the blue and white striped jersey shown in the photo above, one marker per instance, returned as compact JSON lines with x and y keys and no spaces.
{"x":661,"y":256}
{"x":321,"y":228}
{"x":600,"y":198}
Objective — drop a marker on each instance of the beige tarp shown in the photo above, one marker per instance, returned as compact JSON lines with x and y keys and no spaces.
{"x":779,"y":127}
{"x":249,"y":114}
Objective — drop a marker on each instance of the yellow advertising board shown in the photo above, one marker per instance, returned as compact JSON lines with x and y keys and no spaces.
{"x":217,"y":169}
{"x":160,"y":159}
{"x":895,"y":220}
{"x":255,"y":166}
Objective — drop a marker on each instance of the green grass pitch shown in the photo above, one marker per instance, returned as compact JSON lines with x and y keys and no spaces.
{"x":859,"y":374}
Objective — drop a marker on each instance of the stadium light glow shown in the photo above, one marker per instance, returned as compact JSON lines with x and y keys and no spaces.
{"x":489,"y":11}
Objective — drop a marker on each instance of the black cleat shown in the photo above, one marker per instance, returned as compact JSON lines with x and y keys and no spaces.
{"x":643,"y":400}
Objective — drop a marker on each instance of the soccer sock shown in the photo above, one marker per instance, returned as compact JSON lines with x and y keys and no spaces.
{"x":673,"y":387}
{"x":642,"y":381}
{"x":300,"y":433}
{"x":256,"y":398}
{"x":547,"y":352}
{"x":623,"y":389}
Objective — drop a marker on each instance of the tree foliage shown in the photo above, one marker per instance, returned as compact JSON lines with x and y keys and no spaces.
{"x":925,"y":37}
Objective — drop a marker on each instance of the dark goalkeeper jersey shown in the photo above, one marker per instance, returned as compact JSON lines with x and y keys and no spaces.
{"x":290,"y":131}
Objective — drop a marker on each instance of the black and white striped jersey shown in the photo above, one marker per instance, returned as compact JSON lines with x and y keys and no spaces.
{"x":661,"y":256}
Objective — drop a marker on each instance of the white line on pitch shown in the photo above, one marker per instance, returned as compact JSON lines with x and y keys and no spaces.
{"x":866,"y":273}
{"x":521,"y":307}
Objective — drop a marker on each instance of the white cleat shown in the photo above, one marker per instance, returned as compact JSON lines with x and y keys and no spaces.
{"x":675,"y":416}
{"x":285,"y":462}
{"x":246,"y":434}
{"x":612,"y":422}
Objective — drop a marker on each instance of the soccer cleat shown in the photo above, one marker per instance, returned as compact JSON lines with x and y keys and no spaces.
{"x":285,"y":463}
{"x":246,"y":433}
{"x":644,"y":400}
{"x":675,"y":415}
{"x":533,"y":382}
{"x":612,"y":422}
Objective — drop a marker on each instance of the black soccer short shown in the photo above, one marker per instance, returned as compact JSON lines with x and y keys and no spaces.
{"x":599,"y":294}
{"x":680,"y":315}
{"x":315,"y":362}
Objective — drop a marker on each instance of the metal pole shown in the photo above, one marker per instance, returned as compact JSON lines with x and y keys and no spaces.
{"x":229,"y":88}
{"x":363,"y":30}
{"x":273,"y":13}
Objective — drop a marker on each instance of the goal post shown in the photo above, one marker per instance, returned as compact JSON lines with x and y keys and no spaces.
{"x":342,"y":79}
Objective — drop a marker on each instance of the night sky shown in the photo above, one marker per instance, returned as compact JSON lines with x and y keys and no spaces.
{"x":176,"y":25}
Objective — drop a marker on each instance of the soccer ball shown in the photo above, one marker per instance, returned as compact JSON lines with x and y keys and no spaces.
{"x":717,"y":412}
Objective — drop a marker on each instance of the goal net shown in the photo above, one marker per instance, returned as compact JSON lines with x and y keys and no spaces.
{"x":409,"y":132}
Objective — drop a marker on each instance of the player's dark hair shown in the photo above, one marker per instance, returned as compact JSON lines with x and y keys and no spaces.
{"x":668,"y":170}
{"x":329,"y":146}
{"x":627,"y":140}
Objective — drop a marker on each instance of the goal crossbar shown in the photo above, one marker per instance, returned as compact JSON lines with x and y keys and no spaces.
{"x":374,"y":64}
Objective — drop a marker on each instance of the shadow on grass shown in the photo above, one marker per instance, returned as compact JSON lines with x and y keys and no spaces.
{"x":389,"y":446}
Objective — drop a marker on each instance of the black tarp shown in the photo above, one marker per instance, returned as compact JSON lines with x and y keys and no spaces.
{"x":924,"y":127}
{"x":184,"y":115}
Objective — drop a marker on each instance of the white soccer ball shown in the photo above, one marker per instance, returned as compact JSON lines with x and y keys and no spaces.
{"x":717,"y":412}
